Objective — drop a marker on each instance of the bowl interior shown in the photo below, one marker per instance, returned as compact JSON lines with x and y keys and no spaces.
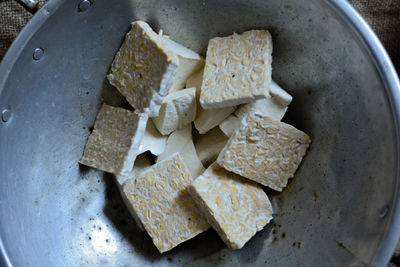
{"x":55,"y":212}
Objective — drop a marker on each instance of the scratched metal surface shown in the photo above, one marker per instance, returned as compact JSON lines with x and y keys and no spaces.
{"x":338,"y":211}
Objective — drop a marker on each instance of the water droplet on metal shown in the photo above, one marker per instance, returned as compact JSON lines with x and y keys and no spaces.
{"x":384,"y":211}
{"x":84,"y":5}
{"x":38,"y":53}
{"x":6,"y":115}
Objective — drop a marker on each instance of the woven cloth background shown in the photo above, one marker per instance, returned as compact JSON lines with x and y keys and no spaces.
{"x":382,"y":15}
{"x":12,"y":18}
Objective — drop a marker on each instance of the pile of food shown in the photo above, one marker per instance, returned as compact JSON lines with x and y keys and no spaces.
{"x":236,"y":110}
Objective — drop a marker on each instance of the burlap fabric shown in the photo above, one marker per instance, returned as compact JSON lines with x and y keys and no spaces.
{"x":382,"y":15}
{"x":12,"y":18}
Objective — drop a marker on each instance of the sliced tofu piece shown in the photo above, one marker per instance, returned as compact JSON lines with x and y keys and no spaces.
{"x":189,"y":63}
{"x":181,"y":141}
{"x":238,"y":69}
{"x":160,"y":199}
{"x":177,"y":110}
{"x":142,"y":162}
{"x":279,"y":94}
{"x":114,"y":143}
{"x":209,"y":145}
{"x":195,"y":80}
{"x":229,"y":125}
{"x":144,"y":69}
{"x":209,"y":118}
{"x":265,"y":150}
{"x":152,"y":140}
{"x":235,"y":207}
{"x":148,"y":66}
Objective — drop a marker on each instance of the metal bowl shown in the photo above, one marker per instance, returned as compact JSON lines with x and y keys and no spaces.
{"x":342,"y":207}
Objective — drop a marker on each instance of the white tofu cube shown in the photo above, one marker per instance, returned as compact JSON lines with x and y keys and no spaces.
{"x":229,"y":125}
{"x":238,"y":69}
{"x":189,"y":63}
{"x":209,"y":145}
{"x":152,"y":140}
{"x":160,"y":198}
{"x":265,"y":151}
{"x":114,"y":143}
{"x":195,"y":80}
{"x":177,"y":110}
{"x":279,"y":94}
{"x":235,"y":207}
{"x":181,"y":141}
{"x":210,"y":118}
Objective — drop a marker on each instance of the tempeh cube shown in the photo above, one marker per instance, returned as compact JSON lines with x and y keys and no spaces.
{"x":160,"y":199}
{"x":142,"y":162}
{"x":148,"y":66}
{"x":235,"y":207}
{"x":238,"y":69}
{"x":114,"y":143}
{"x":265,"y":150}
